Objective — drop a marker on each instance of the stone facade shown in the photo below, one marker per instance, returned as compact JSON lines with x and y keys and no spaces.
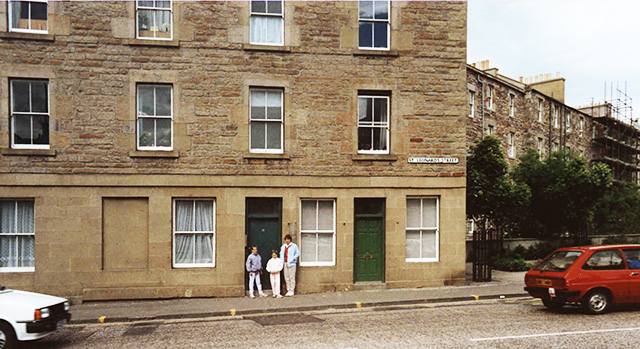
{"x":94,"y":63}
{"x":532,"y":123}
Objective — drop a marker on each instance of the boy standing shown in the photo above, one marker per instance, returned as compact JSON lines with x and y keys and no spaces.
{"x":289,"y":253}
{"x":254,"y":267}
{"x":274,"y":266}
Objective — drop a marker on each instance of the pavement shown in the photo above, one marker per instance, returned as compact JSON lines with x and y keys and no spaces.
{"x":504,"y":285}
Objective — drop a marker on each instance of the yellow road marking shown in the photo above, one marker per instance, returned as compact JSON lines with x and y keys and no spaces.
{"x":101,"y":319}
{"x":476,"y":297}
{"x":233,"y":312}
{"x":358,"y":304}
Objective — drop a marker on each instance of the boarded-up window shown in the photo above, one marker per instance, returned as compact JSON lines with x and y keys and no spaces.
{"x":125,"y":233}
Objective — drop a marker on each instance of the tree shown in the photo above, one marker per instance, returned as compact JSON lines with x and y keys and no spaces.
{"x":493,"y":199}
{"x":564,"y":191}
{"x":617,"y":212}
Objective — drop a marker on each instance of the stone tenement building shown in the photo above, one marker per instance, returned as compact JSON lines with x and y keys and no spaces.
{"x":524,"y":115}
{"x":532,"y":114}
{"x":145,"y":144}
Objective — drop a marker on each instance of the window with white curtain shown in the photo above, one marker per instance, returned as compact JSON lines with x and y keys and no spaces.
{"x":512,"y":145}
{"x":317,"y":232}
{"x":28,"y":16}
{"x":154,"y":19}
{"x":422,"y":239}
{"x":373,"y":124}
{"x":512,"y":104}
{"x":29,"y":114}
{"x":267,"y":22}
{"x":581,"y":126}
{"x":373,"y":25}
{"x":540,"y":110}
{"x":472,"y":98}
{"x":17,"y":236}
{"x":155,"y":117}
{"x":266,"y":121}
{"x":555,"y":117}
{"x":194,"y":233}
{"x":539,"y":146}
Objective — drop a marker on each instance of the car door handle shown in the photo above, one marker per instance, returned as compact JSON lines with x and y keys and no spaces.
{"x":635,"y":273}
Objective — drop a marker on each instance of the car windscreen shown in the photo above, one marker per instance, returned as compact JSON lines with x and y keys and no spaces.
{"x":559,"y":261}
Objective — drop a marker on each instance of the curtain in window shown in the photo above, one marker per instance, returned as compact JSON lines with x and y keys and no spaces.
{"x":17,"y":251}
{"x":190,"y":247}
{"x":184,"y":222}
{"x":266,"y":29}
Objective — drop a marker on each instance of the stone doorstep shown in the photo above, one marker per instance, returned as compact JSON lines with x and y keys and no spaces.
{"x":368,"y":286}
{"x":239,"y":313}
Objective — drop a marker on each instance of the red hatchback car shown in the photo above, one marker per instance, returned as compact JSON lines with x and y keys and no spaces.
{"x":594,"y":276}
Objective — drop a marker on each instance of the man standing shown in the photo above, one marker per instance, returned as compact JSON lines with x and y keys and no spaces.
{"x":289,"y":254}
{"x":254,"y":267}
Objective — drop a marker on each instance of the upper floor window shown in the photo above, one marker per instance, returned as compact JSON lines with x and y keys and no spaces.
{"x":266,"y":121}
{"x":539,"y":146}
{"x":490,"y":130}
{"x":30,"y":114}
{"x":568,"y":121}
{"x":267,"y":22}
{"x":373,"y":22}
{"x":512,"y":102}
{"x":472,"y":97}
{"x":539,"y":110}
{"x":154,"y":19}
{"x":555,"y":146}
{"x":581,"y":126}
{"x":555,"y":117}
{"x":422,"y":225}
{"x":28,"y":16}
{"x":155,"y":117}
{"x":373,"y":124}
{"x":489,"y":96}
{"x":17,"y":235}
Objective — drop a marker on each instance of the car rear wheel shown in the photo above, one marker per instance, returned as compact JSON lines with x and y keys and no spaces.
{"x":7,"y":336}
{"x":553,"y":304}
{"x":596,"y":302}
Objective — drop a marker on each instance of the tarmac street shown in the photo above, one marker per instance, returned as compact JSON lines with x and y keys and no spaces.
{"x":503,"y":323}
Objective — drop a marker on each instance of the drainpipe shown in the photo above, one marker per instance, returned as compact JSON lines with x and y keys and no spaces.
{"x":483,"y":103}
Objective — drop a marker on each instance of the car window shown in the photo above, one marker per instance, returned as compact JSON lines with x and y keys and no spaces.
{"x":633,"y":258}
{"x":559,"y":261}
{"x":604,"y":260}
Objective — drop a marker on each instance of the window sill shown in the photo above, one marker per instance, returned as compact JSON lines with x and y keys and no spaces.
{"x":18,"y":270}
{"x":382,"y":53}
{"x":173,"y":154}
{"x":156,"y":43}
{"x":421,"y":260}
{"x":317,"y":264}
{"x":251,"y":47}
{"x":28,"y":152}
{"x":374,"y":157}
{"x":27,"y":36}
{"x":267,"y":156}
{"x":193,"y":266}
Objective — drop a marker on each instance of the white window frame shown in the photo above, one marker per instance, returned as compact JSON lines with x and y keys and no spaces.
{"x":540,"y":106}
{"x":556,"y":122}
{"x":512,"y":104}
{"x":490,"y":92}
{"x":174,"y":232}
{"x":471,"y":227}
{"x":472,"y":97}
{"x":317,"y":231}
{"x":512,"y":145}
{"x":375,"y":124}
{"x":21,"y":269}
{"x":422,"y":227}
{"x":12,"y":114}
{"x":490,"y":130}
{"x":139,"y":116}
{"x":567,"y":121}
{"x":540,"y":146}
{"x":267,"y":120}
{"x":581,"y":126}
{"x":555,"y":147}
{"x":266,"y":14}
{"x":373,"y":20}
{"x":20,"y":30}
{"x":153,"y":8}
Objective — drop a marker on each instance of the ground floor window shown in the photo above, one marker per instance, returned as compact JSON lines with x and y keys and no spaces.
{"x":317,"y":232}
{"x":194,"y":233}
{"x":422,"y":239}
{"x":17,"y":235}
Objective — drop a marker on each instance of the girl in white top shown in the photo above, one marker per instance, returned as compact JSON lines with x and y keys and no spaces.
{"x":274,"y":266}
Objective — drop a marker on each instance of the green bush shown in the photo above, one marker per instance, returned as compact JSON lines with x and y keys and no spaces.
{"x":511,"y":264}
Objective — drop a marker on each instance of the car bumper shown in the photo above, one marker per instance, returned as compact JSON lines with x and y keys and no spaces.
{"x":47,"y":325}
{"x":543,"y":292}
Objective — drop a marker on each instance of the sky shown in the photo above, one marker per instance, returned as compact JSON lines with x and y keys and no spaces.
{"x":590,"y":42}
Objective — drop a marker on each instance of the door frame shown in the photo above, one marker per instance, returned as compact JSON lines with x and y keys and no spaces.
{"x":383,"y":238}
{"x":247,"y":217}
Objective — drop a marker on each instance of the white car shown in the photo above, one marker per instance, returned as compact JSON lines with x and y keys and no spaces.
{"x":26,"y":316}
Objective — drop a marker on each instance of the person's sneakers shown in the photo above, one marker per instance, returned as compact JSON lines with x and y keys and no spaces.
{"x":279,"y":296}
{"x":263,"y":294}
{"x":252,"y":296}
{"x":289,"y":294}
{"x":275,"y":295}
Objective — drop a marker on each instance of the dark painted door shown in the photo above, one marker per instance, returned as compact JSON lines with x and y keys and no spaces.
{"x":263,"y":229}
{"x":369,"y":240}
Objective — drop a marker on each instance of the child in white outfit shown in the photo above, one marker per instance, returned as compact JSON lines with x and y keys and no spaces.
{"x":274,"y":266}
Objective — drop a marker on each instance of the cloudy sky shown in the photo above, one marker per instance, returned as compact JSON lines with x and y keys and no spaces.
{"x":589,"y":42}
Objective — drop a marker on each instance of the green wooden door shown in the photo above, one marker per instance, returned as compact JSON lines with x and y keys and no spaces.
{"x":263,"y":228}
{"x":369,"y":240}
